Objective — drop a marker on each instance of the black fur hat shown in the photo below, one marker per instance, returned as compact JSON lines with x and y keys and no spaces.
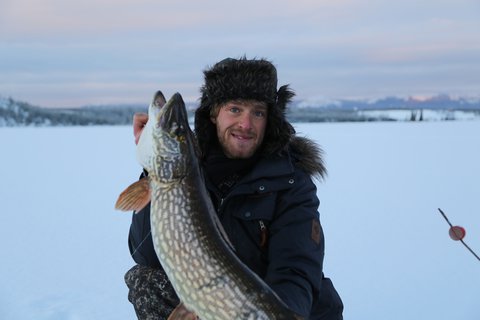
{"x":244,"y":79}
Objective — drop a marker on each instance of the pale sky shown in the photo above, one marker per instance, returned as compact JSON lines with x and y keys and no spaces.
{"x":59,"y":53}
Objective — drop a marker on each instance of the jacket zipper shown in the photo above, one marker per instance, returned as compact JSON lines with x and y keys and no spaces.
{"x":263,"y":234}
{"x":262,"y":225}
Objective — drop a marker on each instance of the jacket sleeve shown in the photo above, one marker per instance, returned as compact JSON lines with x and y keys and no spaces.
{"x":140,"y":241}
{"x":296,"y":246}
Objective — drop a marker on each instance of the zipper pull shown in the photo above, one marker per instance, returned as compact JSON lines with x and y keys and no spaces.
{"x":221,"y":202}
{"x":262,"y":225}
{"x":263,"y":234}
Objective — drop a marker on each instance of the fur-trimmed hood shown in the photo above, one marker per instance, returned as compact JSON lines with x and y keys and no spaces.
{"x":255,"y":79}
{"x":308,"y":156}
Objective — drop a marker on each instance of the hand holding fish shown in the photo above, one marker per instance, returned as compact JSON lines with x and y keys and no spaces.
{"x":139,"y":121}
{"x":140,"y":118}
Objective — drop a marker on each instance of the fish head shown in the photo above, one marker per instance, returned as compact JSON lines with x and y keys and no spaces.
{"x":169,"y":147}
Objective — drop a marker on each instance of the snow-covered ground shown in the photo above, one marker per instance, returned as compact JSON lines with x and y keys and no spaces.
{"x":64,"y":247}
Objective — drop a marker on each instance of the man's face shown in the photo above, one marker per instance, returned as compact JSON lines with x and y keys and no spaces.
{"x":241,"y":127}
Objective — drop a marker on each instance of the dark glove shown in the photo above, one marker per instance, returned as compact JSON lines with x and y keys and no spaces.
{"x":150,"y":292}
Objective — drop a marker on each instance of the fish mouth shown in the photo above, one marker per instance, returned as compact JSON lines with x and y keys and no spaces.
{"x":174,"y":118}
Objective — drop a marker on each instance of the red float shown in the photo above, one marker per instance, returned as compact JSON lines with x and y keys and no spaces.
{"x":457,"y":233}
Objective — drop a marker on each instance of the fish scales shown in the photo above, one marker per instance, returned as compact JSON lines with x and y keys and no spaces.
{"x":212,"y":284}
{"x":205,"y":273}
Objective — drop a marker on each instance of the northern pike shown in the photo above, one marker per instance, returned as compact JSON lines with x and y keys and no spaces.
{"x":209,"y":279}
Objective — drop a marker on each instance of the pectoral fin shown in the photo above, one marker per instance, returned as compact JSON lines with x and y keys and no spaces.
{"x":182,"y":313}
{"x":135,"y":197}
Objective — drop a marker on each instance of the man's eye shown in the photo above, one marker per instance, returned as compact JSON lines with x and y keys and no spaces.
{"x":234,"y":110}
{"x":260,"y":114}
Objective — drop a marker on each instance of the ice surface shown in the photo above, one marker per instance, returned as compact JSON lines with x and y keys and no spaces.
{"x":64,"y":247}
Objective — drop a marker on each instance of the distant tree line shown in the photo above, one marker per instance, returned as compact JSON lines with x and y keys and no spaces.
{"x":16,"y":113}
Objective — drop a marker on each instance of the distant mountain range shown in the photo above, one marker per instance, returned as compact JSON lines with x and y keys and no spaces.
{"x":18,"y":113}
{"x":441,"y":101}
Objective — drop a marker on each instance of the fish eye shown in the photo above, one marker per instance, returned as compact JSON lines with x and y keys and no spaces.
{"x":180,"y":131}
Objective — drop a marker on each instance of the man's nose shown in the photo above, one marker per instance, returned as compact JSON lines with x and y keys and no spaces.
{"x":245,"y":121}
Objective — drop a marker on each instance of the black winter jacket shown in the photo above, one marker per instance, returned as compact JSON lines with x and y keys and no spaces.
{"x":270,"y":216}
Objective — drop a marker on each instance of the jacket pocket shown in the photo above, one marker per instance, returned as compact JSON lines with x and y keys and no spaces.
{"x":247,"y":220}
{"x":254,"y":215}
{"x":256,"y":207}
